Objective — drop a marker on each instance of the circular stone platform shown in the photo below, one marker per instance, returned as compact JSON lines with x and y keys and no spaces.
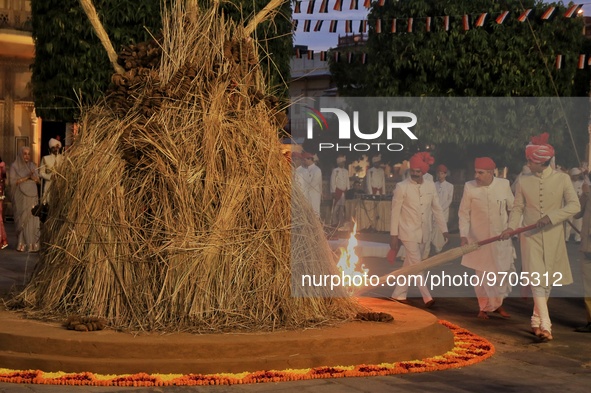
{"x":414,"y":334}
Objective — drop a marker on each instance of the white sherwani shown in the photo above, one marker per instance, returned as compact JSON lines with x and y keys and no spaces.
{"x":310,"y":181}
{"x":445,"y":192}
{"x":47,"y":169}
{"x":482,"y":215}
{"x":413,"y":208}
{"x":376,"y":178}
{"x":543,"y":250}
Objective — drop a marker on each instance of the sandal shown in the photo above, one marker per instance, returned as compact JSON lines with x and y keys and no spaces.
{"x":536,"y":331}
{"x":3,"y":246}
{"x":20,"y":248}
{"x":545,"y":335}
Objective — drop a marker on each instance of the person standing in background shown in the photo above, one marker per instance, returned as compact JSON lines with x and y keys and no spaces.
{"x":375,"y":182}
{"x":445,"y":192}
{"x":339,"y":185}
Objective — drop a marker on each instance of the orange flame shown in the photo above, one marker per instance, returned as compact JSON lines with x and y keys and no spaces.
{"x":349,"y":261}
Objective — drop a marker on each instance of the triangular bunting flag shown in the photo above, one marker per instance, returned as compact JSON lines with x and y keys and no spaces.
{"x":409,"y":25}
{"x":298,"y":7}
{"x":337,"y":57}
{"x":338,"y":6}
{"x":581,"y":64}
{"x":548,"y":13}
{"x":501,"y":18}
{"x":558,"y":62}
{"x":298,"y":54}
{"x":465,"y":22}
{"x":524,"y":15}
{"x":318,"y":25}
{"x":310,"y":55}
{"x":350,"y":57}
{"x":367,"y":4}
{"x":333,"y":26}
{"x":323,"y":7}
{"x":378,"y":26}
{"x":381,"y":3}
{"x":323,"y":55}
{"x":311,"y":7}
{"x":364,"y":58}
{"x":354,"y":5}
{"x":393,"y":27}
{"x":294,"y":24}
{"x":480,"y":20}
{"x":446,"y":23}
{"x":428,"y":24}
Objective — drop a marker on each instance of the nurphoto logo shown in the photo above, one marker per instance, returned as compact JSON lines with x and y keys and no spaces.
{"x":390,"y":121}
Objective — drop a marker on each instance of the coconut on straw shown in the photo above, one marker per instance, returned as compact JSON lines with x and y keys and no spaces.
{"x":173,"y":209}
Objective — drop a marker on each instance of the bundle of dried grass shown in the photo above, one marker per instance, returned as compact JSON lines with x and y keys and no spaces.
{"x":173,"y":210}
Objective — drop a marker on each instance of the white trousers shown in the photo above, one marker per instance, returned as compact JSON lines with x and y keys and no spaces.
{"x":414,"y":251}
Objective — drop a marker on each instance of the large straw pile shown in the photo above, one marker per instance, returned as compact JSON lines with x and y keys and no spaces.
{"x":173,"y":210}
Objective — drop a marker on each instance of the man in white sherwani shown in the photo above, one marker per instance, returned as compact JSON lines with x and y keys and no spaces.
{"x":309,"y":177}
{"x":339,"y":184}
{"x":375,"y":183}
{"x":48,"y":165}
{"x":484,"y":214}
{"x":445,"y":192}
{"x":546,"y":198}
{"x":414,"y":203}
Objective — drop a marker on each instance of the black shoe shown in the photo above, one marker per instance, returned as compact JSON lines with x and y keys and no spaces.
{"x":584,"y":329}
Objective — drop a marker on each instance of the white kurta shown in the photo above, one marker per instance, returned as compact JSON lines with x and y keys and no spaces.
{"x":375,"y":178}
{"x":413,"y":208}
{"x":482,"y":215}
{"x":577,"y":222}
{"x":544,"y":250}
{"x":310,"y":181}
{"x":47,"y":169}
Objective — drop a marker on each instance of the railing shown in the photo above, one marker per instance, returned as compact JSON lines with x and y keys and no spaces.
{"x":15,"y":14}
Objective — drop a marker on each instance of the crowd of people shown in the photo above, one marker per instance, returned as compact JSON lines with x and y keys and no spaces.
{"x":555,"y":204}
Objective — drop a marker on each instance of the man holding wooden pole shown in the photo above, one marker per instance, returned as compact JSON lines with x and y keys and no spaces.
{"x":414,"y":203}
{"x":539,"y":200}
{"x":482,"y":215}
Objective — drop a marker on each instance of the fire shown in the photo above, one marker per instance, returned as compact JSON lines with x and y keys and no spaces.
{"x":349,"y":261}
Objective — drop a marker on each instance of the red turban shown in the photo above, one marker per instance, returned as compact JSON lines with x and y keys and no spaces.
{"x":421,"y":161}
{"x":441,"y":168}
{"x":484,"y":163}
{"x":539,"y":151}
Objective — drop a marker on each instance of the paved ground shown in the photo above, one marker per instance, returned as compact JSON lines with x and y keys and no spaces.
{"x":521,"y":364}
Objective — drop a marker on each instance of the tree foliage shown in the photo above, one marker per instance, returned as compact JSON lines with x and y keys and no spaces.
{"x":513,"y":59}
{"x":71,"y":66}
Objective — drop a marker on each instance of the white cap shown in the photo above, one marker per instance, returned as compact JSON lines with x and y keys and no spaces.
{"x":574,"y":171}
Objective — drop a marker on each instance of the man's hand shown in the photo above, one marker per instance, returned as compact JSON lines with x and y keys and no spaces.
{"x":394,"y":243}
{"x":506,"y":234}
{"x":463,"y":241}
{"x":542,"y":222}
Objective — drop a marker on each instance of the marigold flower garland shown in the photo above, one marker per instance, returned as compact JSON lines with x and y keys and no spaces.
{"x":468,"y":349}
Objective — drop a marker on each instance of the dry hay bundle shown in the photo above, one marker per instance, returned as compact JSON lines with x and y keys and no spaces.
{"x":173,"y":210}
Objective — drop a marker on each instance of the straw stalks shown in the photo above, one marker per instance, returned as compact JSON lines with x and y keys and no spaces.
{"x":174,"y":209}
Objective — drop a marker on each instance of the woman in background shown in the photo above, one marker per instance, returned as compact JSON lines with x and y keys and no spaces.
{"x":23,"y":180}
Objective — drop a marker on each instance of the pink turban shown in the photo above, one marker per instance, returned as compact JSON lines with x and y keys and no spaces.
{"x":421,"y":161}
{"x":539,"y":151}
{"x":484,"y":163}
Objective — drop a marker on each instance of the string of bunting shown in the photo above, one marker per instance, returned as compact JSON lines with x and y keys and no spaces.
{"x":583,"y":61}
{"x":467,"y":20}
